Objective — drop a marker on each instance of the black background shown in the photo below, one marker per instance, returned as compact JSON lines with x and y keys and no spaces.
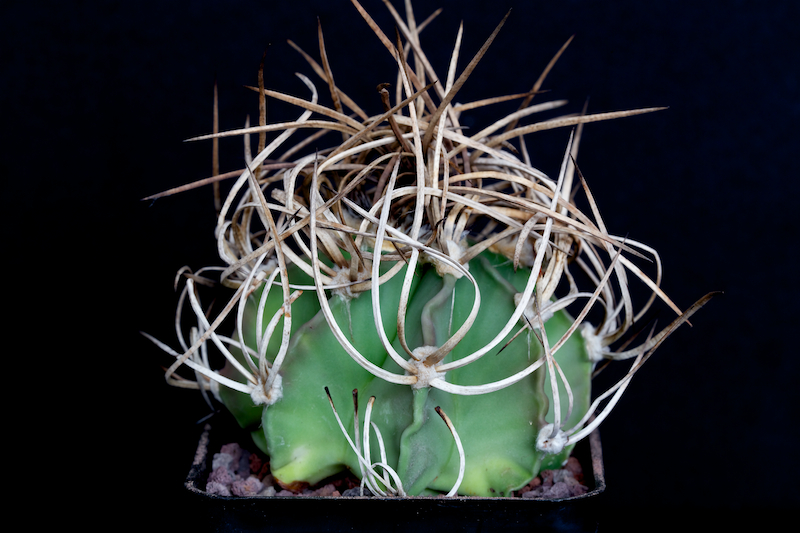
{"x":97,"y":98}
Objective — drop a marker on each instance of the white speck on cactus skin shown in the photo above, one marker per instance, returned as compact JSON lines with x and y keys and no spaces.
{"x":425,"y":374}
{"x":593,"y":343}
{"x":269,"y":397}
{"x":551,"y":443}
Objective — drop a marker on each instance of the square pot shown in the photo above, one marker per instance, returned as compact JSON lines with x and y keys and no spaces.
{"x":417,"y":514}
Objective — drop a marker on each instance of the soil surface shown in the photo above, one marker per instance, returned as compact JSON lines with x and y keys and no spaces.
{"x":235,"y":471}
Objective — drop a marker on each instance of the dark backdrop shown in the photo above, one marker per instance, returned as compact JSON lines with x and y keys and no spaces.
{"x":97,"y":98}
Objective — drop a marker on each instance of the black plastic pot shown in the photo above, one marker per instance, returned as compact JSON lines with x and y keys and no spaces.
{"x":417,"y":515}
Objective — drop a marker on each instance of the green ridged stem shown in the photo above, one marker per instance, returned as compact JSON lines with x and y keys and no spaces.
{"x":247,"y":414}
{"x":303,"y":439}
{"x":498,"y":430}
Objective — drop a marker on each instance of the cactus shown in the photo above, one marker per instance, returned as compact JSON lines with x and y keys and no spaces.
{"x":412,"y":303}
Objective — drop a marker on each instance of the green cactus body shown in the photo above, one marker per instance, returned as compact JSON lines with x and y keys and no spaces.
{"x":577,"y":367}
{"x":247,"y":414}
{"x":303,"y":440}
{"x":498,"y":429}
